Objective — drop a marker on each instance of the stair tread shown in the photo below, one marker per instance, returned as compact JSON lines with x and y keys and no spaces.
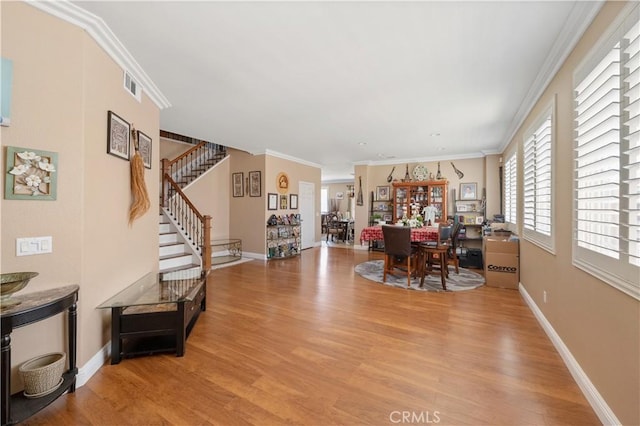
{"x":180,"y":268}
{"x":174,"y":256}
{"x":172,"y":244}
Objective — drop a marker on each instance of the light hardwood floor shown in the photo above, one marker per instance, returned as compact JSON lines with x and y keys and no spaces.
{"x":307,"y":341}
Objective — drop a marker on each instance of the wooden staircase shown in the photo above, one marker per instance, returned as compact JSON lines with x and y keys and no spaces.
{"x":177,"y":259}
{"x":185,"y":246}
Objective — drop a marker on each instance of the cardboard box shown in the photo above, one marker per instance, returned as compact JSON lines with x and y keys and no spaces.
{"x":501,"y":261}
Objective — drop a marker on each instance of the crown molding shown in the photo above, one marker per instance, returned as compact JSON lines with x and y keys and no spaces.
{"x":106,"y":39}
{"x":290,"y":158}
{"x":392,"y":161}
{"x":579,"y":20}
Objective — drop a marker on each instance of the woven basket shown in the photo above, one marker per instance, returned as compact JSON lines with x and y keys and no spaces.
{"x":42,"y":373}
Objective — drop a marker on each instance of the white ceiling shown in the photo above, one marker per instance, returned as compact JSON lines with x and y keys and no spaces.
{"x":343,"y":83}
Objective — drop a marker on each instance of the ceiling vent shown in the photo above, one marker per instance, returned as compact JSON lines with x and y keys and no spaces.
{"x":132,"y":86}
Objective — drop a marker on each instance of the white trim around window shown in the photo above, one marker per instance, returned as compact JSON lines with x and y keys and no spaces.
{"x":538,"y":173}
{"x":511,"y":188}
{"x":606,"y":224}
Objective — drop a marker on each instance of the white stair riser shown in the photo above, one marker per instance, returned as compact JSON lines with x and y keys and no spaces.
{"x":172,"y":249}
{"x":169,"y":238}
{"x":165,"y":227}
{"x":174,"y":262}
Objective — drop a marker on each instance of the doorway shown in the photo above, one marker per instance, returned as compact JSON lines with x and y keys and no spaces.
{"x":307,"y":205}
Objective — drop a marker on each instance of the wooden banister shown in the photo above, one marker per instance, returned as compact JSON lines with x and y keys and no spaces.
{"x":196,"y":226}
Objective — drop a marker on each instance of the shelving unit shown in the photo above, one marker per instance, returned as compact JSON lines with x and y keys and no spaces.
{"x":471,"y":213}
{"x":408,"y":196}
{"x":383,"y":208}
{"x":284,"y":238}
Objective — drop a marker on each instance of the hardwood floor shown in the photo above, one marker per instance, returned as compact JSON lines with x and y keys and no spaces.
{"x":307,"y":341}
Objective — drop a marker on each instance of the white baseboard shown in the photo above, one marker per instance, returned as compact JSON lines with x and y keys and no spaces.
{"x":251,"y":255}
{"x":90,"y":368}
{"x":597,"y":402}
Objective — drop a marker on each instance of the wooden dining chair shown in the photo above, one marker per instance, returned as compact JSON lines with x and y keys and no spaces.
{"x":434,"y":255}
{"x":334,"y":228}
{"x":398,"y":251}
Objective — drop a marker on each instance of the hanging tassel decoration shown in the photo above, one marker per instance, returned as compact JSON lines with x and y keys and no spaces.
{"x":140,"y":203}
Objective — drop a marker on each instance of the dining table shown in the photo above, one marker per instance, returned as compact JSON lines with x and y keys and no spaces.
{"x":374,"y":233}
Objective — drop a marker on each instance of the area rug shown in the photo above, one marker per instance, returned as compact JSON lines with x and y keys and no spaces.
{"x":465,"y":280}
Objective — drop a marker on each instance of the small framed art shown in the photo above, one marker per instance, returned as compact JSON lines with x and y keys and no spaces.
{"x":118,"y":136}
{"x":144,"y":147}
{"x":255,"y":184}
{"x":468,"y":191}
{"x":272,"y":201}
{"x":293,"y":201}
{"x":382,"y":193}
{"x":31,"y":174}
{"x":283,"y":202}
{"x":237,"y":181}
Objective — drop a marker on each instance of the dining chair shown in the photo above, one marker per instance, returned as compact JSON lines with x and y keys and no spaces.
{"x":452,"y":253}
{"x":398,"y":251}
{"x":434,"y":255}
{"x":334,"y":228}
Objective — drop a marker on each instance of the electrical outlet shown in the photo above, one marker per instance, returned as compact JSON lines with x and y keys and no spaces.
{"x":544,"y":296}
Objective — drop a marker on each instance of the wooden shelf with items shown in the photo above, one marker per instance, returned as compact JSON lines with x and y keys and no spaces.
{"x":414,"y":196}
{"x":283,"y":236}
{"x":469,"y":212}
{"x":379,"y":210}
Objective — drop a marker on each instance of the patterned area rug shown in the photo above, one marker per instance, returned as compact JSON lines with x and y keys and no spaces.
{"x":465,"y":280}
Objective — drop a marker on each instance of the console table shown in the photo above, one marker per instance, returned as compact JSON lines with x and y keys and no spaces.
{"x":32,"y":308}
{"x":231,"y":249}
{"x":153,"y":316}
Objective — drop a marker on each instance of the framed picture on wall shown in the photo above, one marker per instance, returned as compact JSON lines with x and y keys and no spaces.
{"x":255,"y":184}
{"x":293,"y":201}
{"x":272,"y":201}
{"x":468,"y":191}
{"x":237,"y":182}
{"x":118,"y":136}
{"x":382,"y":193}
{"x":283,"y":202}
{"x":144,"y":147}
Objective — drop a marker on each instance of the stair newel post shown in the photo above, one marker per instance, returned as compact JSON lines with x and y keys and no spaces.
{"x":165,"y":184}
{"x":206,"y":244}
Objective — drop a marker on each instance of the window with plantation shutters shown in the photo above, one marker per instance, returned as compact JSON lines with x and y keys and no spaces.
{"x":510,"y":192}
{"x":607,"y":158}
{"x":537,"y":188}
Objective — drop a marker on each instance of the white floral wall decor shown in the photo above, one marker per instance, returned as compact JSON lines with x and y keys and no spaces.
{"x":31,"y":174}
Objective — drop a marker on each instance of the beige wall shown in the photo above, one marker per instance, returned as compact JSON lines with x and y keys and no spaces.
{"x":61,"y":105}
{"x":248,"y":217}
{"x":297,"y":173}
{"x":482,"y":171}
{"x":599,"y":324}
{"x":210,"y":194}
{"x":344,"y":204}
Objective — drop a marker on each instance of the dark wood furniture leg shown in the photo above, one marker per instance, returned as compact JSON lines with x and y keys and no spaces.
{"x":73,"y":342}
{"x":115,"y":335}
{"x":6,"y":371}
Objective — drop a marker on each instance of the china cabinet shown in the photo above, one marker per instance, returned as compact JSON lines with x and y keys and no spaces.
{"x":412,"y":197}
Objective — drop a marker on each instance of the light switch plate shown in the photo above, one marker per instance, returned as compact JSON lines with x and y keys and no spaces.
{"x":34,"y":245}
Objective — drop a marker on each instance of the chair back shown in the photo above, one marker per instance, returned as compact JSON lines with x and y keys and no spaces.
{"x":444,"y":233}
{"x":397,"y":240}
{"x":455,"y":233}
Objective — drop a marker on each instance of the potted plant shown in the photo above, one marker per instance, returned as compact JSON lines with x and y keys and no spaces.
{"x":377,"y":218}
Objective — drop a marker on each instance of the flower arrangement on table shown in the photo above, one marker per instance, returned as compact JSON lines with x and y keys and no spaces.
{"x":415,"y":221}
